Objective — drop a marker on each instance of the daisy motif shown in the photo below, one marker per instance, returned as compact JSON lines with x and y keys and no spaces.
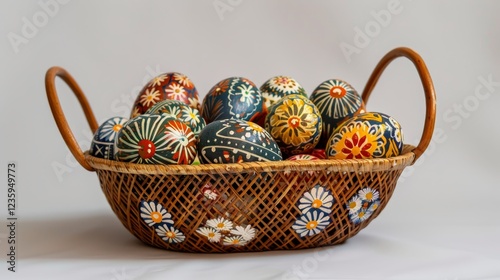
{"x":193,"y":102}
{"x":247,"y":93}
{"x":158,"y":80}
{"x":360,"y":216}
{"x":374,"y":206}
{"x":311,"y":223}
{"x":368,"y":194}
{"x":354,"y":204}
{"x":234,"y":240}
{"x":183,"y":80}
{"x":136,"y":112}
{"x":153,"y":213}
{"x":318,"y":198}
{"x":110,"y":128}
{"x":191,"y":116}
{"x":212,"y":234}
{"x":170,"y":234}
{"x":176,"y":92}
{"x":150,"y":97}
{"x":220,"y":224}
{"x":247,"y":233}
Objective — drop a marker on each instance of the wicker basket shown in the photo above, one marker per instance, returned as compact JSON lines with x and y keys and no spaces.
{"x":257,"y":206}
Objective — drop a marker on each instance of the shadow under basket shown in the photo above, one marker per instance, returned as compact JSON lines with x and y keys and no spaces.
{"x":244,"y":207}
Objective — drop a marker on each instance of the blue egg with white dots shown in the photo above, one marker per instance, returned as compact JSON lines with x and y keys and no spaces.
{"x":236,"y":141}
{"x":103,"y":142}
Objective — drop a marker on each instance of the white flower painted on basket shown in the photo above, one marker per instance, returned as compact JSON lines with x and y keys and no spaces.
{"x":220,"y":224}
{"x":247,"y":233}
{"x":318,"y":198}
{"x":212,"y":234}
{"x":220,"y":228}
{"x":354,"y":204}
{"x":368,"y":194}
{"x":234,"y":240}
{"x":170,"y":234}
{"x":311,"y":223}
{"x":363,"y":204}
{"x":153,"y":213}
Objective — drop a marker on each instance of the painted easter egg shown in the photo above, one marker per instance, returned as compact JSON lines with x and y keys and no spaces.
{"x":156,"y":139}
{"x":295,"y":123}
{"x":303,"y":157}
{"x":337,"y":101}
{"x":232,"y":98}
{"x":180,"y":111}
{"x":171,"y":86}
{"x":368,"y":135}
{"x":319,"y":153}
{"x":235,"y":141}
{"x":103,"y":142}
{"x":279,"y":86}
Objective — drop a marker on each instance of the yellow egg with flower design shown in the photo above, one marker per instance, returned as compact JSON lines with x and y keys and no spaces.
{"x":368,"y":135}
{"x":295,"y":123}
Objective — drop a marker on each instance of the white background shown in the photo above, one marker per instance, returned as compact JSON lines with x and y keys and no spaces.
{"x":443,"y":220}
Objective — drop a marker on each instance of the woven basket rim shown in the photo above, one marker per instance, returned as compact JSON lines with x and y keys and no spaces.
{"x":334,"y":165}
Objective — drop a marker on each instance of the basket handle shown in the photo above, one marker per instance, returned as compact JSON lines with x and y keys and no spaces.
{"x":58,"y":113}
{"x":430,"y":95}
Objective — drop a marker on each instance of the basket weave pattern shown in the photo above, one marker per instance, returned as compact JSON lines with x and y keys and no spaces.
{"x":266,"y":196}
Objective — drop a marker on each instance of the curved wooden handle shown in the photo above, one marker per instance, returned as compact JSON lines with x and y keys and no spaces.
{"x":58,"y":113}
{"x":430,"y":95}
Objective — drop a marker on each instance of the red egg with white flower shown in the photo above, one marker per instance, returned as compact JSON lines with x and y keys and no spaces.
{"x":167,"y":86}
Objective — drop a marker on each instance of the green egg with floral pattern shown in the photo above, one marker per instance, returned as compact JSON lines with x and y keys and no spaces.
{"x":368,"y":135}
{"x":156,"y":139}
{"x":180,"y":111}
{"x":295,"y":123}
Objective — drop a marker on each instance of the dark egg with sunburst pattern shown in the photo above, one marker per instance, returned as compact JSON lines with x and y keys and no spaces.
{"x":236,"y":141}
{"x":156,"y":139}
{"x":337,"y":101}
